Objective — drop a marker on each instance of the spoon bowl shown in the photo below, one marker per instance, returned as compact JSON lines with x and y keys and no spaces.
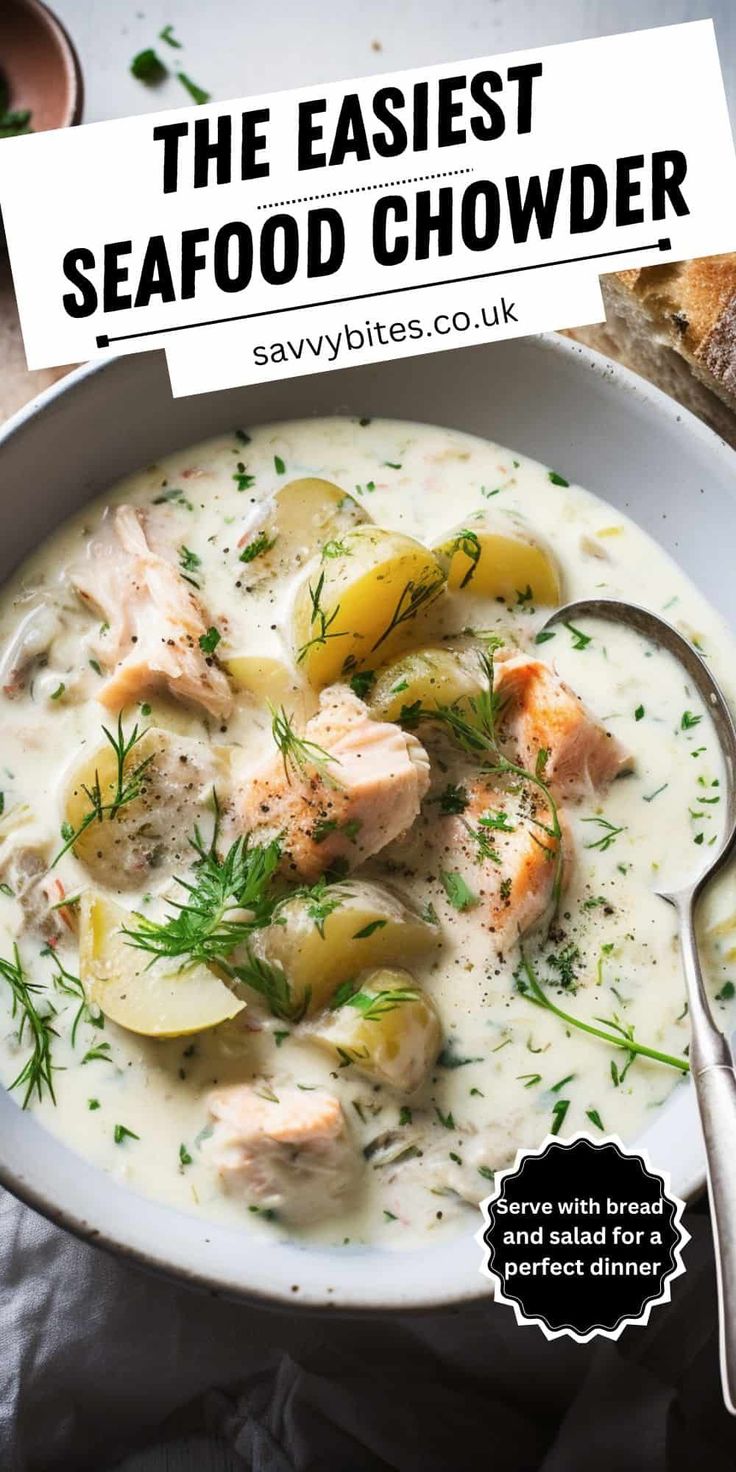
{"x":665,"y":636}
{"x":711,"y":1059}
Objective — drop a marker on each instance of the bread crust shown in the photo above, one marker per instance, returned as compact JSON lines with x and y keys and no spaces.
{"x":674,"y":321}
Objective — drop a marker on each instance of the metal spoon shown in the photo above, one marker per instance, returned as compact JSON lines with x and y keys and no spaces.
{"x":711,"y":1059}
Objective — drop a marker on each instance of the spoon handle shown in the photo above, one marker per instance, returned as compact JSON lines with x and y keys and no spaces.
{"x":715,"y":1086}
{"x":716,"y":1089}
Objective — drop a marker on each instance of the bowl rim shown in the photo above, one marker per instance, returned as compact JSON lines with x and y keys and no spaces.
{"x":399,"y":1296}
{"x":68,"y":51}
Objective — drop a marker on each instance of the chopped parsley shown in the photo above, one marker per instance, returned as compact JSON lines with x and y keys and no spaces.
{"x":565,"y":964}
{"x":189,"y":562}
{"x":444,"y":1119}
{"x":121,"y":1133}
{"x":361,"y":682}
{"x":448,"y":1058}
{"x":208,"y":642}
{"x":243,"y":479}
{"x":556,"y":479}
{"x":461,"y":897}
{"x":196,"y":93}
{"x":260,"y":544}
{"x":370,"y":929}
{"x":579,"y":639}
{"x":167,"y":35}
{"x":559,"y":1110}
{"x":148,"y":67}
{"x":453,"y":799}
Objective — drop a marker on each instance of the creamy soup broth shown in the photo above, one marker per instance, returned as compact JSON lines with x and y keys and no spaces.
{"x":508,"y":1071}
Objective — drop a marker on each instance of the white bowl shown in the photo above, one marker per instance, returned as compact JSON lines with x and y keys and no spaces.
{"x":565,"y":406}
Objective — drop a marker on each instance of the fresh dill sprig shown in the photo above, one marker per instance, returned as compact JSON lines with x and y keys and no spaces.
{"x":227,"y":900}
{"x":320,"y":620}
{"x":528,"y":985}
{"x":474,"y":728}
{"x":609,"y":835}
{"x":375,"y":1005}
{"x":412,"y":598}
{"x":127,"y":785}
{"x":321,"y":900}
{"x":71,"y":986}
{"x":467,"y":542}
{"x":36,"y":1075}
{"x":258,"y":547}
{"x":271,"y":982}
{"x":299,"y":754}
{"x":484,"y":845}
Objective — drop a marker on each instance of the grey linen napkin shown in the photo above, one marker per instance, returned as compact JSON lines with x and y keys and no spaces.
{"x":97,"y":1356}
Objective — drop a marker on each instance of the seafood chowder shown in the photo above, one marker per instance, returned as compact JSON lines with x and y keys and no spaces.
{"x":326,"y":872}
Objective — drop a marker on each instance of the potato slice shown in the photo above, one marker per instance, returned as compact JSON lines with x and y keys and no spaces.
{"x":296,"y":521}
{"x":364,"y":604}
{"x":152,"y":831}
{"x":328,"y":936}
{"x":500,"y":557}
{"x":432,"y":676}
{"x":159,"y":1001}
{"x":387,"y":1027}
{"x":263,"y":676}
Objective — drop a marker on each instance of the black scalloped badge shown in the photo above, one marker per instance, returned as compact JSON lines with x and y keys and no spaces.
{"x":582,"y":1238}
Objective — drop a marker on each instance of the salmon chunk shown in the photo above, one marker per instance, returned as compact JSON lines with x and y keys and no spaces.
{"x":511,"y":860}
{"x":24,"y":872}
{"x":285,"y":1149}
{"x":360,"y":786}
{"x":153,"y":623}
{"x":541,"y":713}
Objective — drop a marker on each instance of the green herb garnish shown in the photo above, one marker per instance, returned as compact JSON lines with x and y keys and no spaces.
{"x":208,"y":642}
{"x":121,"y":1133}
{"x":621,"y":1036}
{"x":34,"y":1026}
{"x":609,"y":835}
{"x":128,"y":785}
{"x":260,"y":544}
{"x":298,"y":754}
{"x":209,"y":923}
{"x":461,"y":897}
{"x":148,"y":67}
{"x":196,"y":93}
{"x":361,"y":683}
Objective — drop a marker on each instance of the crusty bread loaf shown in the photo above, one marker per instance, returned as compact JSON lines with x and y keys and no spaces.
{"x":676,"y":324}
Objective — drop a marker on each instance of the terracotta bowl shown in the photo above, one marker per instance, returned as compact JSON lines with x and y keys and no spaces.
{"x":39,"y":65}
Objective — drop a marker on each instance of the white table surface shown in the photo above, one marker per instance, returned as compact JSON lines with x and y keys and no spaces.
{"x":234,"y":48}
